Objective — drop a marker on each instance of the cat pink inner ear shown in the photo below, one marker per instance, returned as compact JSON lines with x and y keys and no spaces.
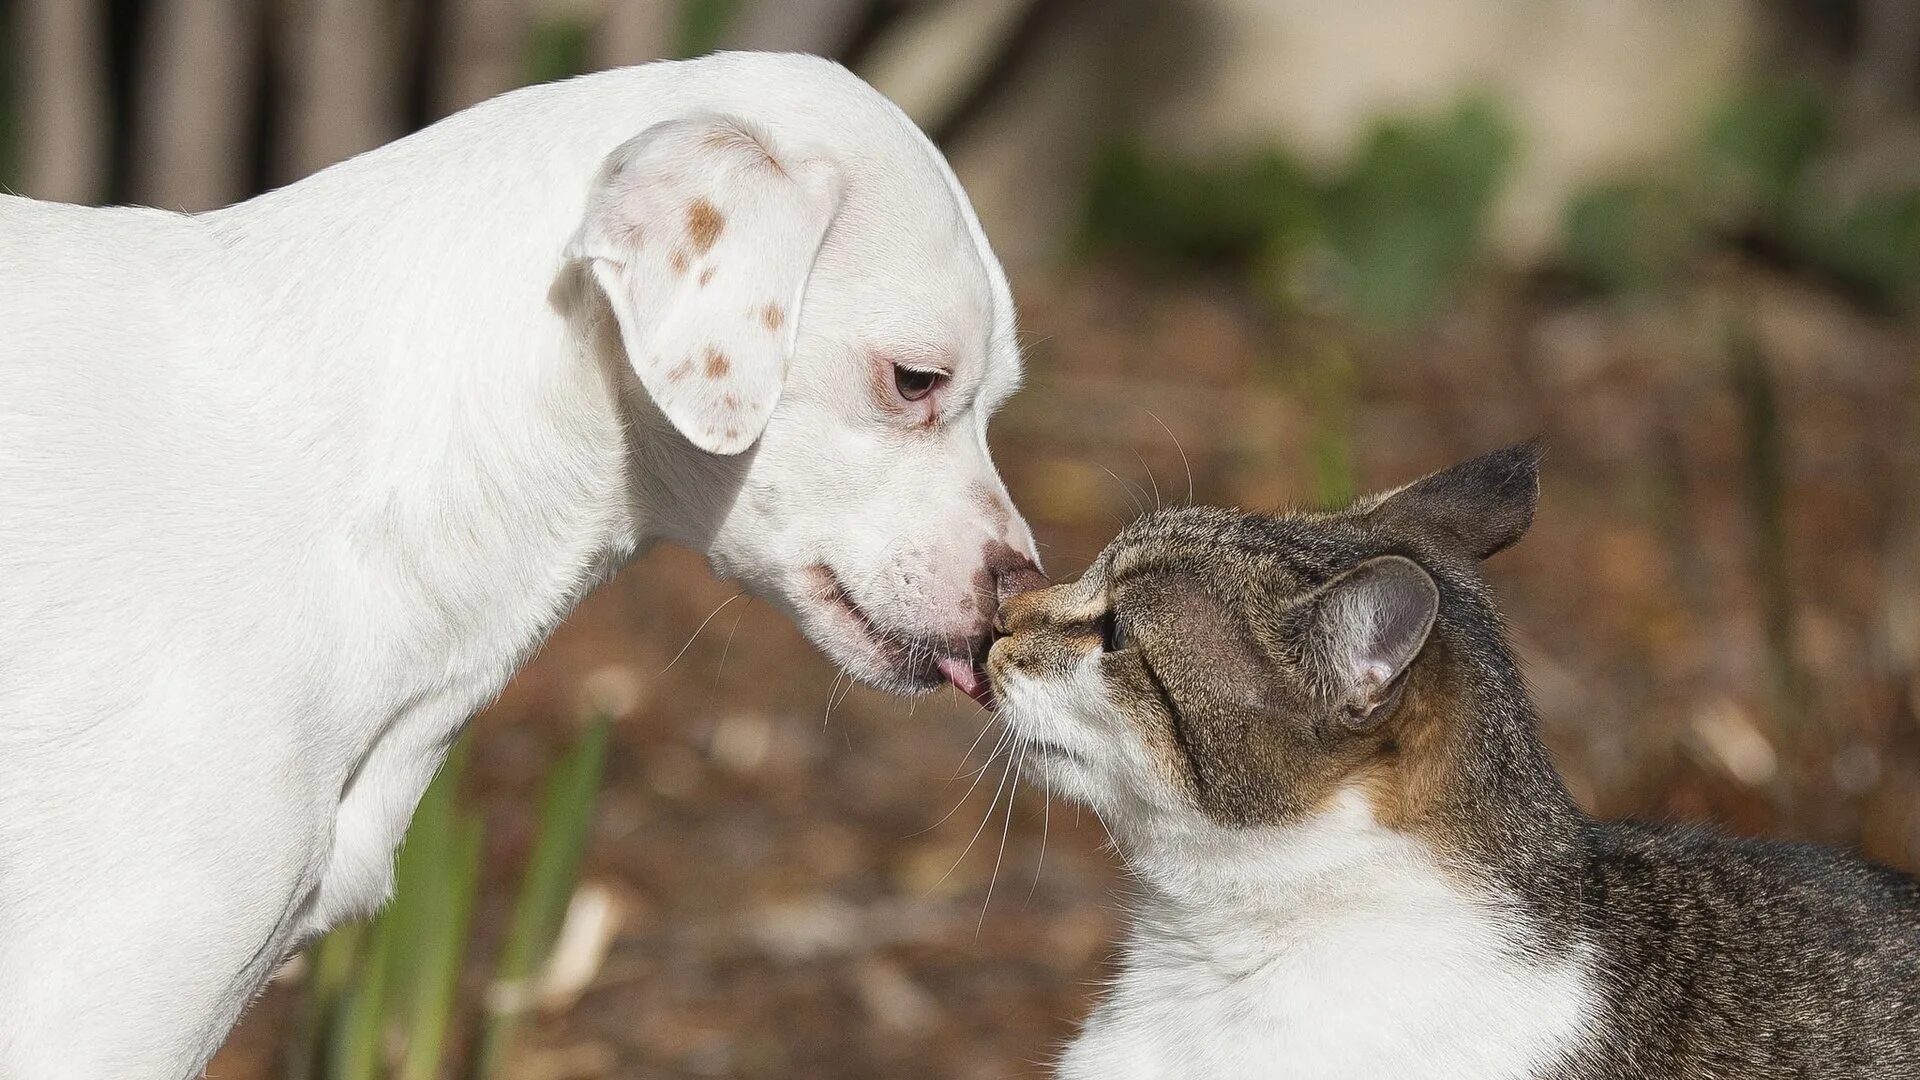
{"x":1374,"y":620}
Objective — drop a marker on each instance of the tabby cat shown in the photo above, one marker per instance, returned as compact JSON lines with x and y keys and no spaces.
{"x":1312,"y":744}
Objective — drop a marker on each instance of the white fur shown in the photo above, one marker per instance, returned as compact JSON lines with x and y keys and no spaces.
{"x":288,"y":490}
{"x":1331,"y":949}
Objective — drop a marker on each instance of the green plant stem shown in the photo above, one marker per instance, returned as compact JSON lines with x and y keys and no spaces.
{"x":566,"y":821}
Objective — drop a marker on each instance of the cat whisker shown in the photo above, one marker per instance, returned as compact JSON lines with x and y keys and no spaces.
{"x":1184,"y":463}
{"x":1019,"y":755}
{"x":987,"y":817}
{"x":1113,"y":842}
{"x":1046,"y":822}
{"x":975,"y":744}
{"x":1000,"y":745}
{"x":1151,"y":479}
{"x":977,"y":774}
{"x":1133,"y":498}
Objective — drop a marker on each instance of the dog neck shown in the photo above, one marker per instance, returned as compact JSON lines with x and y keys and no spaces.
{"x":487,"y":457}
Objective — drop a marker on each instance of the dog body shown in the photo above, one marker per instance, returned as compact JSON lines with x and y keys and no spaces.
{"x":289,"y":490}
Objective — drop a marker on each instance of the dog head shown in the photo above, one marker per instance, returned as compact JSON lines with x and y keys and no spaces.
{"x":821,"y":337}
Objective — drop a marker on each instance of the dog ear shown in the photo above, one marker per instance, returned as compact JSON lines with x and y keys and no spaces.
{"x":702,"y":236}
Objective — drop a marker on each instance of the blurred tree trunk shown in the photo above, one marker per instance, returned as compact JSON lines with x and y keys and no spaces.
{"x":1023,"y":140}
{"x":191,"y":149}
{"x":636,"y":31}
{"x":1886,"y":73}
{"x":343,"y":88}
{"x":933,"y":59}
{"x":483,"y":41}
{"x":63,"y":87}
{"x":824,"y":27}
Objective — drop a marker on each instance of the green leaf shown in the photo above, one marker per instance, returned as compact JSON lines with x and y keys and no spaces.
{"x":557,"y":47}
{"x":565,"y":827}
{"x":703,"y":23}
{"x":331,"y":962}
{"x":359,"y":1028}
{"x":1411,"y":213}
{"x":440,"y":952}
{"x":1228,"y":211}
{"x":1758,"y":145}
{"x":1873,"y":245}
{"x":1630,"y":236}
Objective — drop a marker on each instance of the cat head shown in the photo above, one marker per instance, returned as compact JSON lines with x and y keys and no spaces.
{"x":1233,"y":669}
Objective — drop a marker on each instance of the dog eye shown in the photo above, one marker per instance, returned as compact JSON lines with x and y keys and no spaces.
{"x":1113,"y":637}
{"x":914,"y":384}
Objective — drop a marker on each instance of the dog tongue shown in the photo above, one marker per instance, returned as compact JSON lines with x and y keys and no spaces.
{"x":959,"y":671}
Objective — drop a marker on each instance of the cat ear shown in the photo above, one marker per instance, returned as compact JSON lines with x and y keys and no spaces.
{"x":702,"y":235}
{"x":1366,"y":627}
{"x":1477,"y":508}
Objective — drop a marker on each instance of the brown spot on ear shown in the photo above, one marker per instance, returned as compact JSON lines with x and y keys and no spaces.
{"x":771,"y":316}
{"x":678,"y":260}
{"x":733,"y":433}
{"x":730,"y":401}
{"x":717,"y":363}
{"x":680,"y":371}
{"x":703,"y":225}
{"x":706,"y":276}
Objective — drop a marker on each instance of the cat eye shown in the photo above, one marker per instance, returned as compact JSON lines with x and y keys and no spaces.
{"x":913,"y":384}
{"x":1113,"y":636}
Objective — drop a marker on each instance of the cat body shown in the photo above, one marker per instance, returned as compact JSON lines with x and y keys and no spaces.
{"x":1353,"y":857}
{"x":1384,"y":969}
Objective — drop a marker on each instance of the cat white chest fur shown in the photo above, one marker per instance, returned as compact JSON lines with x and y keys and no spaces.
{"x":1332,"y":949}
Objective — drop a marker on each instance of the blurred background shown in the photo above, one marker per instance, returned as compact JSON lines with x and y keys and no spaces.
{"x":1268,"y":252}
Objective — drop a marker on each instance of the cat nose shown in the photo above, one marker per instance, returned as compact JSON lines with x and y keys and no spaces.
{"x":1019,"y":611}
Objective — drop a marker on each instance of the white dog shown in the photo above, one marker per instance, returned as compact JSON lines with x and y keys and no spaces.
{"x":288,"y":490}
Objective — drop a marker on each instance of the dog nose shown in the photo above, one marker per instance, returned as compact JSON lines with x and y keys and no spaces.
{"x":1011,"y":573}
{"x":1025,"y":577}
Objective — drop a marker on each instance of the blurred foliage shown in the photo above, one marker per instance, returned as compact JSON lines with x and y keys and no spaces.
{"x":380,"y":997}
{"x":1629,"y":236}
{"x":566,"y":821}
{"x":1755,"y":178}
{"x":1223,"y":212}
{"x":1382,"y":239}
{"x":1766,"y":450}
{"x":1330,"y":385}
{"x":1872,"y":245}
{"x":557,"y":47}
{"x":560,"y":44}
{"x":1408,"y":217}
{"x":1758,"y":147}
{"x":1385,"y":238}
{"x":703,"y":23}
